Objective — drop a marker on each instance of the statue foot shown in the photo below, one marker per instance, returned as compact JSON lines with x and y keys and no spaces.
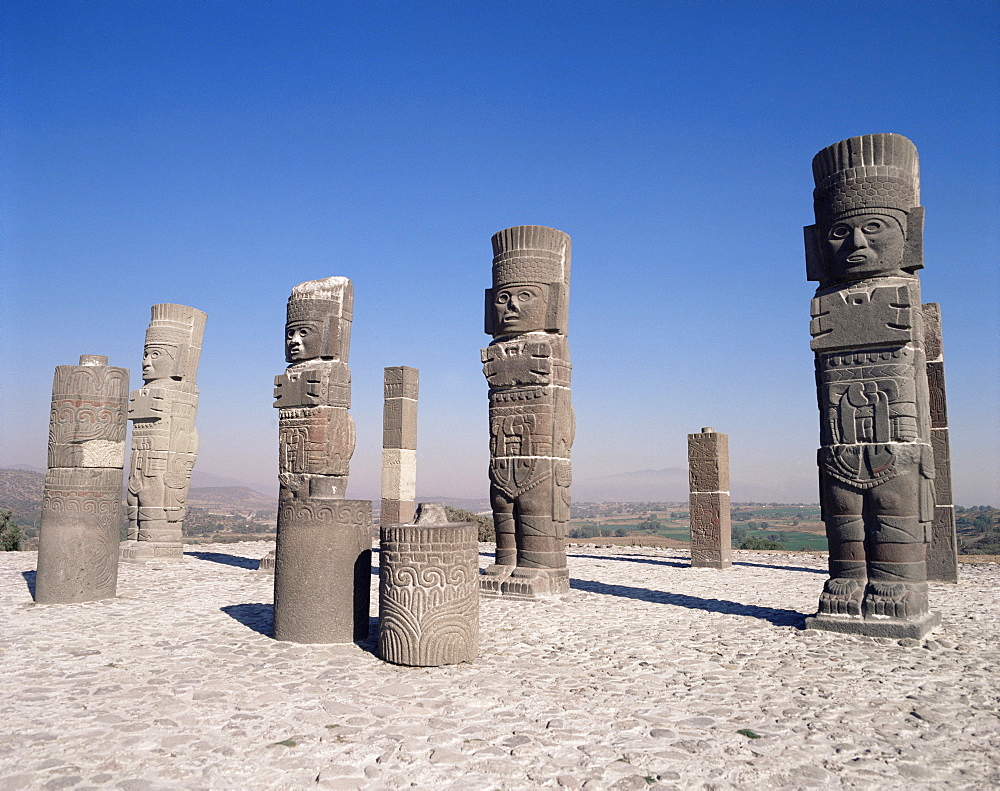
{"x":841,"y":596}
{"x":895,"y":600}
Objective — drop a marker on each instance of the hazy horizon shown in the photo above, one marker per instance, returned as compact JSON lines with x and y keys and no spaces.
{"x":216,"y":154}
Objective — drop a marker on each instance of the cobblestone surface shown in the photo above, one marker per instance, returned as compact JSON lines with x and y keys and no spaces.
{"x":647,"y":675}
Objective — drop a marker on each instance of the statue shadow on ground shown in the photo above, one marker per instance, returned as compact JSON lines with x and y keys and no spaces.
{"x":685,"y":563}
{"x":259,"y":617}
{"x":29,"y":580}
{"x":772,"y":615}
{"x":228,"y":560}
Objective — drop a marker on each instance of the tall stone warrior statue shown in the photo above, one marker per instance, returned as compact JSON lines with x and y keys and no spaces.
{"x":322,"y":567}
{"x":164,"y":438}
{"x":531,"y":415}
{"x":876,"y":462}
{"x":82,"y":499}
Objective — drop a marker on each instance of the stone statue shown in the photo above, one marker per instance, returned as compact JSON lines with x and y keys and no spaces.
{"x":82,"y":498}
{"x":164,"y":438}
{"x":708,"y":475}
{"x":429,"y":590}
{"x":876,"y":462}
{"x":322,"y":564}
{"x":399,"y":445}
{"x":531,"y":415}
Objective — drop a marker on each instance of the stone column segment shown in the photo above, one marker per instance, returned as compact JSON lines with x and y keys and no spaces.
{"x":429,"y":591}
{"x":708,"y":475}
{"x":82,"y":497}
{"x":322,"y":563}
{"x":942,"y":554}
{"x":399,"y":445}
{"x":876,"y":461}
{"x":164,"y":437}
{"x":528,"y":369}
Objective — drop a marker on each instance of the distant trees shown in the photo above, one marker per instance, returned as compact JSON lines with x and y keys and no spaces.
{"x":756,"y":542}
{"x":10,"y":532}
{"x":484,"y":523}
{"x":650,"y":525}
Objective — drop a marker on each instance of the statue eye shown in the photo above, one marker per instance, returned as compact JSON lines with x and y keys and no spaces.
{"x":524,"y":296}
{"x":872,"y":226}
{"x":304,"y":331}
{"x":840,"y":231}
{"x":503,"y":299}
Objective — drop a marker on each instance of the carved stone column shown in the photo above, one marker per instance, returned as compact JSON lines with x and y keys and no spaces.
{"x":942,"y":554}
{"x":399,"y":445}
{"x":429,"y":590}
{"x":876,"y":461}
{"x":708,"y":474}
{"x":322,"y":565}
{"x":164,"y":437}
{"x":528,"y":368}
{"x":82,"y":498}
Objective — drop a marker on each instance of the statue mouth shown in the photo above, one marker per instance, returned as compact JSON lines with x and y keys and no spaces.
{"x":857,"y":258}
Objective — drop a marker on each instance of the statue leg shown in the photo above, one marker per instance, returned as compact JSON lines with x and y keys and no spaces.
{"x":538,"y":544}
{"x":503,"y":524}
{"x":132,"y":510}
{"x":845,"y":533}
{"x":897,"y":551}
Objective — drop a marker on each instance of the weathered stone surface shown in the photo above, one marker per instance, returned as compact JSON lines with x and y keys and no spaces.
{"x":322,"y":560}
{"x":528,"y":369}
{"x":81,"y":500}
{"x":429,"y":590}
{"x":322,"y":569}
{"x":164,"y":438}
{"x":399,"y":443}
{"x":876,"y":460}
{"x":708,"y":473}
{"x":942,"y":554}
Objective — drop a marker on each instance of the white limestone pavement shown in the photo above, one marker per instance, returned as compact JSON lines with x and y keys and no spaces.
{"x":642,"y":677}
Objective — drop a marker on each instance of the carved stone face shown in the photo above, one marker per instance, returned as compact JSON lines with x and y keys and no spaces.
{"x":158,"y":362}
{"x":303,"y":341}
{"x":520,"y":309}
{"x":865,"y":245}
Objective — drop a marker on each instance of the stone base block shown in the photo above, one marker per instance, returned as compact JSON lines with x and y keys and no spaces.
{"x":144,"y":551}
{"x":322,"y":570}
{"x":876,"y":627}
{"x":709,"y":560}
{"x":511,"y":582}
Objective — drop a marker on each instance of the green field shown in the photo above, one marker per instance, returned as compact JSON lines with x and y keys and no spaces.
{"x":679,"y":531}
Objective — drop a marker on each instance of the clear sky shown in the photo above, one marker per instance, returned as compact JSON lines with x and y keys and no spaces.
{"x":216,"y":153}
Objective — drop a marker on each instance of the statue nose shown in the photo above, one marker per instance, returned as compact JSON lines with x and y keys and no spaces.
{"x":859,"y":239}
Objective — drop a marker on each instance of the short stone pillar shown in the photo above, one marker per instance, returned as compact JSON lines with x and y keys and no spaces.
{"x":399,"y":445}
{"x":322,"y":564}
{"x":942,"y":552}
{"x":164,"y":438}
{"x":708,"y":474}
{"x":82,"y":498}
{"x":429,"y":591}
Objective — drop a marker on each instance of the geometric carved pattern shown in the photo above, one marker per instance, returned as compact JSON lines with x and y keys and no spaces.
{"x":81,"y":501}
{"x":429,"y":594}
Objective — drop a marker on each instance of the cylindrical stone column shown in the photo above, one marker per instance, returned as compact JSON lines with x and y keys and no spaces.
{"x":399,"y":445}
{"x":81,"y":502}
{"x":708,"y":474}
{"x":429,"y":591}
{"x":322,"y":571}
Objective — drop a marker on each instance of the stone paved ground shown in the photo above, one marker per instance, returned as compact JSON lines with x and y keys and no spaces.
{"x":641,"y":678}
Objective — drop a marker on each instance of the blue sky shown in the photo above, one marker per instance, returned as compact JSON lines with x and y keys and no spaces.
{"x":217,"y":153}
